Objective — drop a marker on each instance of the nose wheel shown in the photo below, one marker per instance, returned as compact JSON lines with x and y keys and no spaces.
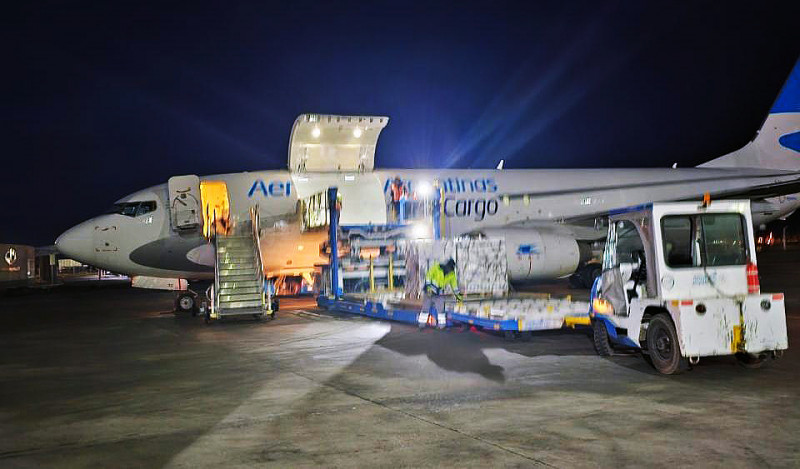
{"x":186,"y":303}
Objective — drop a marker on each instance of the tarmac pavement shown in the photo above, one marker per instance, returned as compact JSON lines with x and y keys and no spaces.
{"x":110,"y":377}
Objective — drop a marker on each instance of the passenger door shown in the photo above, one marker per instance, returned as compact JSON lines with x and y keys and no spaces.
{"x":184,"y":202}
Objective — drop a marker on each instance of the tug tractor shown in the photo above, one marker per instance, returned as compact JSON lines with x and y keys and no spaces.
{"x":679,"y":282}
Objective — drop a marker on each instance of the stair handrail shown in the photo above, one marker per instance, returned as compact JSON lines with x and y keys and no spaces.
{"x":255,"y":221}
{"x":213,"y":239}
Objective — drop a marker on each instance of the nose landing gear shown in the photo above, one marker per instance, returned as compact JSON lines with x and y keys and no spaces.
{"x":186,"y":303}
{"x":189,"y":301}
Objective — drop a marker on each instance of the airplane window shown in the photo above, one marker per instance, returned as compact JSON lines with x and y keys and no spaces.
{"x":133,"y":209}
{"x":146,"y":207}
{"x":129,"y":209}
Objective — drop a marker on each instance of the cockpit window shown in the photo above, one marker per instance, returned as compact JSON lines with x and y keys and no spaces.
{"x":146,"y":207}
{"x":133,"y":209}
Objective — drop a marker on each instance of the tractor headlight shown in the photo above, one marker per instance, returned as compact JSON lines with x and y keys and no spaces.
{"x":602,"y":306}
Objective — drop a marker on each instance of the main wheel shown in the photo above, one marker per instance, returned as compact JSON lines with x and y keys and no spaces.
{"x":576,"y":280}
{"x":589,"y":274}
{"x":751,"y":360}
{"x":663,"y":346}
{"x":602,"y":344}
{"x":185,"y":303}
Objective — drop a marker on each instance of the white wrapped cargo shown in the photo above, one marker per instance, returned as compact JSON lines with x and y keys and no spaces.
{"x":480,"y":264}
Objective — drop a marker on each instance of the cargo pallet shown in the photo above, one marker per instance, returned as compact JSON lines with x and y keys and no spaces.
{"x":378,"y":310}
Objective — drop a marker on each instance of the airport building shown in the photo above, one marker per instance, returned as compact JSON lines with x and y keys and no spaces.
{"x":18,"y":266}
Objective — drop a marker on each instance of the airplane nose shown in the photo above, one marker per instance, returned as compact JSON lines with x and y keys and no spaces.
{"x":76,"y":243}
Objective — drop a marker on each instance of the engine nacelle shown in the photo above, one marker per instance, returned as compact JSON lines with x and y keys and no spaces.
{"x":537,"y":254}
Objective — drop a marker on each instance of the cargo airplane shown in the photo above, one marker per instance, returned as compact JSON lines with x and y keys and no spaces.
{"x":548,"y":217}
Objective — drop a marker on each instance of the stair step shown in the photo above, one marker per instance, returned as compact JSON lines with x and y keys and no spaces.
{"x":239,"y":296}
{"x":239,"y":304}
{"x":245,"y":244}
{"x":236,"y":270}
{"x":237,"y":250}
{"x":240,"y":291}
{"x":237,"y":277}
{"x":234,"y":241}
{"x":236,"y":260}
{"x":226,"y":259}
{"x":240,"y":311}
{"x":235,"y":285}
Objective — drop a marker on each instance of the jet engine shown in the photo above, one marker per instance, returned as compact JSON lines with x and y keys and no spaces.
{"x":534,"y":254}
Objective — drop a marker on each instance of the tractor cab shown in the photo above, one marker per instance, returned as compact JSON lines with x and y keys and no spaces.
{"x":680,"y":282}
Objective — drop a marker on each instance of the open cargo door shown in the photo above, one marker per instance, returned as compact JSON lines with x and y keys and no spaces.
{"x":184,"y":202}
{"x":362,"y":197}
{"x":363,"y":202}
{"x":326,"y":143}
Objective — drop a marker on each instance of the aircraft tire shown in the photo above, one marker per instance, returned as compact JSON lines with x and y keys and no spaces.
{"x":576,"y":280}
{"x":186,"y":303}
{"x":589,"y":274}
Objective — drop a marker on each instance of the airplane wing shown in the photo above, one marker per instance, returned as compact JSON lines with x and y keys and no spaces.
{"x":590,"y":225}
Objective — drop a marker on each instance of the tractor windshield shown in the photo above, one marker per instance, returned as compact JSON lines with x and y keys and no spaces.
{"x":711,"y":240}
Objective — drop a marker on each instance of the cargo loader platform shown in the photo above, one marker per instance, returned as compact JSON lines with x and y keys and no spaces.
{"x":393,"y":267}
{"x":495,"y":314}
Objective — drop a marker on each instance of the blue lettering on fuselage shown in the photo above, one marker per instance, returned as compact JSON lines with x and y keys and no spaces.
{"x":478,"y":208}
{"x":271,"y":189}
{"x":453,"y":185}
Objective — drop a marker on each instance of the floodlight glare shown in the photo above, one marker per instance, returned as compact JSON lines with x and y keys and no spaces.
{"x":425,"y":189}
{"x":315,"y":132}
{"x":420,"y":231}
{"x":357,"y":132}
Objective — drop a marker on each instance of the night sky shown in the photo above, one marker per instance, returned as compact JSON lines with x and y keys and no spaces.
{"x":101,"y":99}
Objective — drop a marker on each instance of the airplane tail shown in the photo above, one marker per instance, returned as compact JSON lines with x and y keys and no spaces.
{"x":777,"y":144}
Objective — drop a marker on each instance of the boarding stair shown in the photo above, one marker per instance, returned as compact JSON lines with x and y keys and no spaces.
{"x":238,"y":274}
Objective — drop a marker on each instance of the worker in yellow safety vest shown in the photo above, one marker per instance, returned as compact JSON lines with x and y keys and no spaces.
{"x":437,"y":279}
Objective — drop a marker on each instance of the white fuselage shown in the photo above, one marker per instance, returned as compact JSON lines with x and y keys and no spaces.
{"x":551,"y":201}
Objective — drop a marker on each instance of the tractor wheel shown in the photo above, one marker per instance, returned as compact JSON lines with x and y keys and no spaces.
{"x":602,"y":344}
{"x":663,"y":346}
{"x":751,"y":360}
